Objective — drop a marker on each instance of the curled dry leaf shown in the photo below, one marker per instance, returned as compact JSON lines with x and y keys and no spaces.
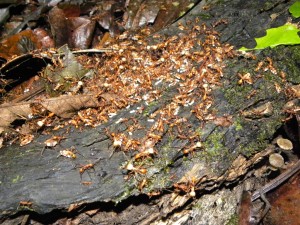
{"x":68,"y":153}
{"x":19,"y":44}
{"x":11,"y":112}
{"x":65,"y":106}
{"x":146,"y":14}
{"x":59,"y":26}
{"x":172,"y":10}
{"x":264,"y":110}
{"x":92,"y":212}
{"x":53,"y":141}
{"x":44,"y":38}
{"x":74,"y":206}
{"x":81,"y":32}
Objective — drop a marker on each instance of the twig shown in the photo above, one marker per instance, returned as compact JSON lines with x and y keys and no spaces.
{"x":277,"y":181}
{"x":93,"y":50}
{"x":25,"y":220}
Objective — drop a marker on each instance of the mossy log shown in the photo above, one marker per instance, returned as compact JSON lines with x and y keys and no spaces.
{"x":247,"y":108}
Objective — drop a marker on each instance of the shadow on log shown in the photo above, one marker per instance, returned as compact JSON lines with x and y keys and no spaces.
{"x":212,"y":138}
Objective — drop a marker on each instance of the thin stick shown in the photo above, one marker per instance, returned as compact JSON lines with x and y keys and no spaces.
{"x":277,"y":181}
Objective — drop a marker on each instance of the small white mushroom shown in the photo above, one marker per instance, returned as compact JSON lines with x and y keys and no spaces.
{"x":284,"y":144}
{"x":276,"y":160}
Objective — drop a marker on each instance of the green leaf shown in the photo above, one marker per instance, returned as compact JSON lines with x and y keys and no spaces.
{"x":295,"y":9}
{"x":283,"y":35}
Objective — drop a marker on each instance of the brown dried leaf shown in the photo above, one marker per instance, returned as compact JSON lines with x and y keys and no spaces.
{"x":70,"y":10}
{"x":171,"y":11}
{"x":11,"y":112}
{"x":160,"y":13}
{"x":74,"y":206}
{"x":65,"y":106}
{"x":92,"y":212}
{"x":244,"y":208}
{"x":105,"y":19}
{"x":107,"y":16}
{"x":81,"y":32}
{"x":109,"y":96}
{"x":19,"y":44}
{"x":59,"y":26}
{"x":285,"y":202}
{"x":44,"y":38}
{"x":129,"y":15}
{"x":264,"y":110}
{"x":147,"y":13}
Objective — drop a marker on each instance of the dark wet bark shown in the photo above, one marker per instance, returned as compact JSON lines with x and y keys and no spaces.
{"x":50,"y":182}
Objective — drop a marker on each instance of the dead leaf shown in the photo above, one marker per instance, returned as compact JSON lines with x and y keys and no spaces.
{"x":11,"y":112}
{"x":129,"y":15}
{"x":257,"y":112}
{"x":59,"y":26}
{"x":74,"y":206}
{"x":92,"y":212}
{"x":70,"y":10}
{"x":107,"y":14}
{"x":72,"y":70}
{"x":285,"y":203}
{"x":25,"y":129}
{"x":81,"y":32}
{"x":44,"y":38}
{"x":171,"y":11}
{"x":244,"y":208}
{"x":65,"y":106}
{"x":105,"y":19}
{"x":19,"y":44}
{"x":109,"y":97}
{"x":147,"y":13}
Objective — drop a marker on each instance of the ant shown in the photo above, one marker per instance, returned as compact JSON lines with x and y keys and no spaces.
{"x":86,"y":167}
{"x":147,"y":153}
{"x":89,"y":166}
{"x":134,"y":170}
{"x":69,"y":153}
{"x":246,"y":78}
{"x":154,"y":194}
{"x":119,"y":139}
{"x":187,"y":187}
{"x":192,"y":148}
{"x":86,"y":183}
{"x":25,"y":205}
{"x":52,"y":142}
{"x":142,"y":184}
